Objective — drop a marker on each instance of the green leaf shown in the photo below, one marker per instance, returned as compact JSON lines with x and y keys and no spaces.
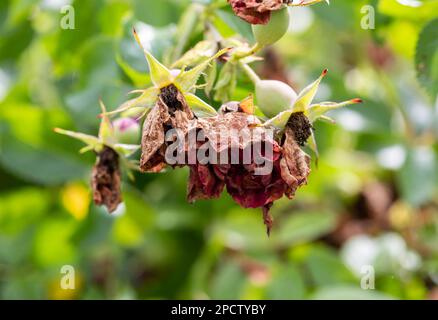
{"x":228,"y":281}
{"x":326,"y":268}
{"x":186,"y":27}
{"x":304,"y":227}
{"x":39,"y":165}
{"x":287,"y":283}
{"x":210,"y":78}
{"x":226,"y":83}
{"x":199,"y":107}
{"x":418,"y":176}
{"x":426,"y":58}
{"x":229,"y":22}
{"x":201,"y":51}
{"x":306,"y":96}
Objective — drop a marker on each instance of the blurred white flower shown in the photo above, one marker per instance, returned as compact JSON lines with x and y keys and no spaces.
{"x":392,"y":157}
{"x":388,"y":253}
{"x":359,"y":251}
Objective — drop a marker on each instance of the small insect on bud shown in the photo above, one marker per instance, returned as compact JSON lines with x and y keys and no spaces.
{"x":274,"y":96}
{"x":126,"y":130}
{"x":274,"y":30}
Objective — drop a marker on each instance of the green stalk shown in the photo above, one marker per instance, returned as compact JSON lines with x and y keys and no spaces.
{"x":250,"y":73}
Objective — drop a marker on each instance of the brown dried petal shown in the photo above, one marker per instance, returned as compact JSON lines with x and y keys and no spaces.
{"x":294,"y":164}
{"x":224,"y":130}
{"x":105,"y":180}
{"x":203,"y":183}
{"x":267,"y":218}
{"x":255,"y":11}
{"x":170,"y":111}
{"x":152,"y":160}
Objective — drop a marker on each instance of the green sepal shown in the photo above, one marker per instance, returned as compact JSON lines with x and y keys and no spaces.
{"x":160,"y":75}
{"x":316,"y":111}
{"x":200,"y":108}
{"x":280,"y":120}
{"x":306,"y":96}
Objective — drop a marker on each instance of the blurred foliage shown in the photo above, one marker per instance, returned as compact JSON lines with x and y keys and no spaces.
{"x":372,"y":200}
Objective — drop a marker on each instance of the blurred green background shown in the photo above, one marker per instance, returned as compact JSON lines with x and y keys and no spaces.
{"x":372,"y":200}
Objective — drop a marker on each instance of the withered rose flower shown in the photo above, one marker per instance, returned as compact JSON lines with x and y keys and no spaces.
{"x":256,"y":11}
{"x":170,"y":112}
{"x":247,"y":186}
{"x":105,"y":179}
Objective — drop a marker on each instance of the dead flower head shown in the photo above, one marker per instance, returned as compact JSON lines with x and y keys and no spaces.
{"x":250,"y":189}
{"x":170,"y":112}
{"x":106,"y":173}
{"x":105,"y":179}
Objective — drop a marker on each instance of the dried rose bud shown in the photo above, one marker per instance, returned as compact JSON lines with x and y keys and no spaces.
{"x":105,"y":180}
{"x":170,"y":112}
{"x":255,"y":11}
{"x":290,"y":165}
{"x":126,"y":130}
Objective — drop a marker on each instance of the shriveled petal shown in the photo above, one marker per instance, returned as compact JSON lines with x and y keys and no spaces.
{"x":294,"y":165}
{"x":170,"y":111}
{"x":203,"y":183}
{"x":153,"y":138}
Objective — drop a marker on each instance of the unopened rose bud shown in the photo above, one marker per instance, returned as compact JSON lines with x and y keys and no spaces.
{"x":274,"y":96}
{"x":126,"y":130}
{"x":274,"y":30}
